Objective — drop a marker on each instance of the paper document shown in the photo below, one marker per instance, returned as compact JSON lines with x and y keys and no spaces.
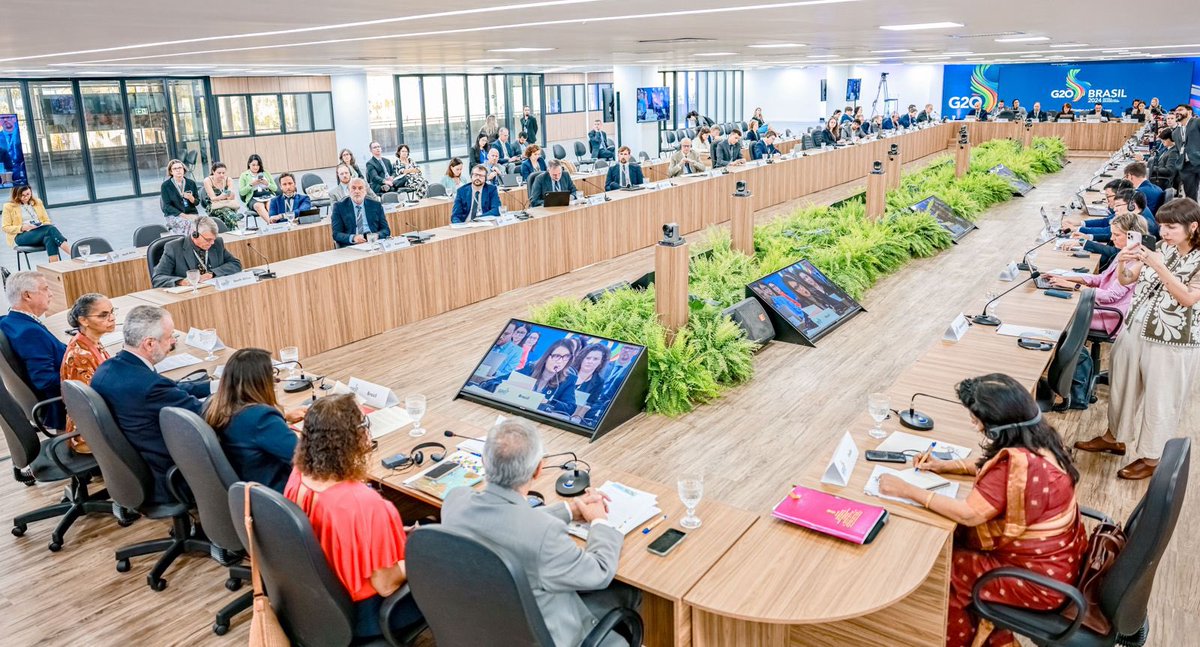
{"x":1013,"y":330}
{"x":385,"y":421}
{"x":180,"y":289}
{"x":112,"y":338}
{"x":628,"y":509}
{"x":473,"y":224}
{"x":474,"y":446}
{"x":924,"y":480}
{"x":901,"y":441}
{"x":178,"y":360}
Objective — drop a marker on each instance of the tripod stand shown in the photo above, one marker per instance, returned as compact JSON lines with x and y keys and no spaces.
{"x":881,"y":91}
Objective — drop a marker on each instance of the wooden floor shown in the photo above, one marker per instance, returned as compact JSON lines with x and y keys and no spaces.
{"x":751,"y":442}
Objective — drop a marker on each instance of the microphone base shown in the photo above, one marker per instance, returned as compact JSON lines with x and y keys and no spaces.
{"x":296,"y":386}
{"x":570,"y":484}
{"x":985,"y":320}
{"x":262,"y":276}
{"x":1024,"y":267}
{"x":913,"y":419}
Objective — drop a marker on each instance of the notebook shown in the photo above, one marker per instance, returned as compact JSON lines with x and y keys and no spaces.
{"x":832,"y":515}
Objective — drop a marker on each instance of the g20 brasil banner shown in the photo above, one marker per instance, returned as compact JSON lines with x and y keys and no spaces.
{"x":1115,"y":85}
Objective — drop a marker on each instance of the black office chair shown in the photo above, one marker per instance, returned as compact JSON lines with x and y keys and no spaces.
{"x":691,"y":133}
{"x":391,"y":197}
{"x":1006,"y":114}
{"x":198,"y":455}
{"x":309,"y":180}
{"x":1129,"y":581}
{"x":221,"y":226}
{"x":155,"y":251}
{"x":146,"y":234}
{"x":806,"y":142}
{"x":312,"y":605}
{"x":189,"y":161}
{"x":600,"y":165}
{"x":1062,"y":367}
{"x":531,"y":180}
{"x":560,"y":153}
{"x":642,"y":155}
{"x":1097,"y":339}
{"x":435,"y":190}
{"x":130,"y":483}
{"x":454,"y":576}
{"x":98,"y":245}
{"x":582,"y":157}
{"x":23,"y":251}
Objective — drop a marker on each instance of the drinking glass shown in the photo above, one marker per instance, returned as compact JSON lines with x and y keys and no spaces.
{"x":290,"y":355}
{"x":210,"y":334}
{"x":372,"y":238}
{"x":415,"y":406}
{"x":878,"y":407}
{"x":85,"y":251}
{"x":691,"y":489}
{"x":193,"y":277}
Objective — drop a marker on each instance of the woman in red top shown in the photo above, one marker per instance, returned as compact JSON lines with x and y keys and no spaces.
{"x":1021,"y":511}
{"x":93,"y":315}
{"x":359,"y":531}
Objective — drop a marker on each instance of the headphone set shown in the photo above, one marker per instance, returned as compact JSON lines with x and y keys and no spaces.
{"x":417,"y":458}
{"x":993,"y":433}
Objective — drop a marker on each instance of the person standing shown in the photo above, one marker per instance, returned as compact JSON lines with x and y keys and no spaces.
{"x":1187,"y":137}
{"x":529,"y":125}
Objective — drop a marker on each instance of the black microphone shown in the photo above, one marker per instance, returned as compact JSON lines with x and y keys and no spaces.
{"x":415,"y":236}
{"x":268,"y":274}
{"x":573,"y":481}
{"x":986,"y":319}
{"x":914,"y":419}
{"x":603,"y":188}
{"x":1024,"y":265}
{"x":295,"y":385}
{"x":451,"y":434}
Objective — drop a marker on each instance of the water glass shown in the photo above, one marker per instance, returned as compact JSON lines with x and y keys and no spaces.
{"x":879,"y":408}
{"x":85,"y":251}
{"x":372,"y":238}
{"x":290,"y":355}
{"x":415,"y":406}
{"x":691,"y":489}
{"x":210,"y":338}
{"x":193,"y":278}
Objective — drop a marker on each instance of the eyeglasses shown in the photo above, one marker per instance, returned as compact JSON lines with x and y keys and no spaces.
{"x":560,"y":356}
{"x":107,"y":314}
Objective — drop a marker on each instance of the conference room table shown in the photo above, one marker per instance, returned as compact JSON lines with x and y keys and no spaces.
{"x":1080,"y":137}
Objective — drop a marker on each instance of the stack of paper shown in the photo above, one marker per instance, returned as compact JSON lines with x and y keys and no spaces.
{"x":1014,"y":330}
{"x":628,"y":508}
{"x":904,"y":442}
{"x":178,"y":360}
{"x":924,"y":480}
{"x":385,"y":421}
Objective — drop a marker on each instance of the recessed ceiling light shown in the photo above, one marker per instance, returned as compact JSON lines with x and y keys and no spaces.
{"x":890,"y":51}
{"x":959,"y":53}
{"x":825,"y":56}
{"x":1114,"y":51}
{"x":715,"y":54}
{"x":869,"y":63}
{"x":1022,"y":39}
{"x":777,"y":45}
{"x":488,"y":60}
{"x":1062,"y":45}
{"x":921,"y":25}
{"x":972,"y":60}
{"x":523,"y":49}
{"x":1031,"y":56}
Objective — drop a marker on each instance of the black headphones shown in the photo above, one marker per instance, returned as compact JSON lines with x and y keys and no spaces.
{"x":418,"y":457}
{"x":993,"y":433}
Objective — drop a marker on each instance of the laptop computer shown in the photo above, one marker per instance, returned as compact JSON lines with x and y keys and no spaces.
{"x":556,"y":199}
{"x":308,"y":216}
{"x":510,"y":180}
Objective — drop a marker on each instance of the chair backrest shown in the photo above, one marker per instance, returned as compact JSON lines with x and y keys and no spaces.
{"x":601,"y":164}
{"x":155,"y":250}
{"x":580,"y":150}
{"x":529,"y":182}
{"x":126,"y":474}
{"x":221,"y":226}
{"x":1062,"y":366}
{"x":807,"y":142}
{"x":312,"y":605}
{"x":189,"y":159}
{"x":670,"y":137}
{"x":146,"y":234}
{"x":642,"y":155}
{"x":1128,"y":583}
{"x":12,"y":371}
{"x":19,"y":432}
{"x":98,"y":245}
{"x":453,"y":576}
{"x":391,"y":197}
{"x":560,"y":153}
{"x":194,"y":447}
{"x":1168,"y":194}
{"x":435,"y":189}
{"x":310,"y":179}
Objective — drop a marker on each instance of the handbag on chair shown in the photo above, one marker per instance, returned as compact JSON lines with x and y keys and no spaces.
{"x":265,"y":630}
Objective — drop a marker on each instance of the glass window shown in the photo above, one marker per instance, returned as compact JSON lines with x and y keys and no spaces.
{"x":553,"y":105}
{"x":12,"y":102}
{"x":593,"y":96}
{"x":476,"y":104}
{"x":435,"y":120}
{"x":456,"y":110}
{"x":411,"y":130}
{"x":322,"y":111}
{"x":235,"y":121}
{"x":580,"y":101}
{"x":566,"y":98}
{"x":297,"y":115}
{"x":265,"y":108}
{"x":381,"y":108}
{"x":56,"y":121}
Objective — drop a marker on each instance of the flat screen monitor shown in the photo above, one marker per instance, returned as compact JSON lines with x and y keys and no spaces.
{"x":562,"y":377}
{"x":947,"y":217}
{"x":12,"y":156}
{"x":803,"y":299}
{"x":653,"y":104}
{"x":1019,"y":186}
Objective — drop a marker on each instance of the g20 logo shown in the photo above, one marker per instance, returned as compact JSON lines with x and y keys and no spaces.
{"x":1062,"y":94}
{"x":958,"y":103}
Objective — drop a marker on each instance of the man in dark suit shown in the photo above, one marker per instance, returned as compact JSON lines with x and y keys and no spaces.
{"x":381,"y":174}
{"x":909,"y":119}
{"x":203,"y":250}
{"x":1167,"y":160}
{"x":37,"y":350}
{"x":554,"y":179}
{"x":476,"y":199}
{"x":764,"y":147}
{"x":529,"y":125}
{"x":623,"y":174}
{"x":891,"y":122}
{"x":599,"y":144}
{"x":289,"y":202}
{"x":1187,"y":139}
{"x":1037,"y":114}
{"x":926,"y":114}
{"x":509,"y":152}
{"x":1136,"y":173}
{"x":728,"y":152}
{"x":136,"y":393}
{"x":353,"y":219}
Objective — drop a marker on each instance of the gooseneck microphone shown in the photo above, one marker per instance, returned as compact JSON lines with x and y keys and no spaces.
{"x":415,"y":236}
{"x":1024,"y":265}
{"x":986,"y":319}
{"x":574,"y":481}
{"x":451,"y":434}
{"x":268,"y":274}
{"x":603,"y":187}
{"x":917,"y":420}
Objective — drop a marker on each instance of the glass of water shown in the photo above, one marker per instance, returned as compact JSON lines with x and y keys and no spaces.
{"x":85,"y":251}
{"x":691,"y":489}
{"x":878,"y":407}
{"x":210,"y":337}
{"x":415,"y":406}
{"x":290,"y":355}
{"x":193,"y":278}
{"x":372,"y":238}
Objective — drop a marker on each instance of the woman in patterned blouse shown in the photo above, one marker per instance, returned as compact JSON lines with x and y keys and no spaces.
{"x":93,"y":315}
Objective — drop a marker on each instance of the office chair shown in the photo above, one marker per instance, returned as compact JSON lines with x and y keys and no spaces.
{"x":131,"y":484}
{"x":391,"y":197}
{"x":1062,"y":366}
{"x":454,"y":576}
{"x":146,"y":234}
{"x":1129,"y":581}
{"x":582,"y":157}
{"x":642,"y":155}
{"x":600,"y":165}
{"x":197,"y":453}
{"x":1097,"y":339}
{"x":189,"y":161}
{"x":312,"y":605}
{"x":98,"y":245}
{"x":23,"y":251}
{"x":155,"y":251}
{"x":531,"y":180}
{"x":435,"y":190}
{"x":309,"y":180}
{"x":560,"y":153}
{"x":806,"y":142}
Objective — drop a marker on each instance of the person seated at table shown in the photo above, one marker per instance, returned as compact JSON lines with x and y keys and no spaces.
{"x":1037,"y":114}
{"x":533,"y":162}
{"x":476,"y":199}
{"x":978,"y":112}
{"x":203,"y":250}
{"x":1155,"y":107}
{"x":870,"y":126}
{"x":288,"y":203}
{"x":685,"y":160}
{"x":26,"y":223}
{"x":179,"y":198}
{"x":223,"y":201}
{"x":573,"y":583}
{"x":599,"y":144}
{"x":256,"y":186}
{"x":549,"y":372}
{"x":752,"y":134}
{"x":249,"y":421}
{"x":38,"y":352}
{"x":360,"y":532}
{"x":764,"y":148}
{"x":381,"y":174}
{"x":1067,"y":112}
{"x":1108,"y":251}
{"x":353,"y":219}
{"x":812,"y":293}
{"x":508,"y":346}
{"x":93,"y":316}
{"x":452,"y":179}
{"x":1127,"y":200}
{"x":479,"y":151}
{"x":704,"y":141}
{"x":827,"y":136}
{"x":408,"y":175}
{"x":1138,"y":111}
{"x":135,"y":393}
{"x":347,"y":157}
{"x":729,"y":152}
{"x":909,"y":119}
{"x":492,"y":168}
{"x":892,"y":122}
{"x":926,"y":114}
{"x":1136,"y":173}
{"x":1098,"y":112}
{"x":1021,"y":511}
{"x":623,"y":173}
{"x":846,"y":115}
{"x":341,"y":190}
{"x":1018,"y":112}
{"x":554,"y":179}
{"x":523,"y":142}
{"x":586,"y":375}
{"x":509,"y":152}
{"x":1097,"y":228}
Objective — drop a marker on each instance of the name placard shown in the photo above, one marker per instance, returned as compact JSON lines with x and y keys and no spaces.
{"x":231,"y":281}
{"x":506,"y":219}
{"x":204,"y":340}
{"x":841,"y":466}
{"x":373,"y":395}
{"x":275,"y":228}
{"x":958,"y":327}
{"x":393,"y":243}
{"x":665,"y":184}
{"x":125,"y":254}
{"x":594,"y":200}
{"x":1010,"y":272}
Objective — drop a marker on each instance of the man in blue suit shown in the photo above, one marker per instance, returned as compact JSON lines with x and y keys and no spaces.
{"x":765,"y":147}
{"x":288,"y":203}
{"x":1136,"y":174}
{"x":37,"y":350}
{"x":476,"y":199}
{"x":623,"y":174}
{"x":599,"y":143}
{"x":135,"y":393}
{"x":909,"y":119}
{"x":353,"y":219}
{"x":892,"y":122}
{"x":509,"y":152}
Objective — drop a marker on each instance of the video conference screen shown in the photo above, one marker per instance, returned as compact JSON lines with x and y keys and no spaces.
{"x":554,"y":372}
{"x":12,"y":157}
{"x":653,"y":104}
{"x":954,"y":224}
{"x":806,"y":298}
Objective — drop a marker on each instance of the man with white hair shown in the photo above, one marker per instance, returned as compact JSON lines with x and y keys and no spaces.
{"x":685,"y":160}
{"x":353,"y":219}
{"x":573,"y":586}
{"x":38,"y":351}
{"x":203,"y":250}
{"x":135,"y":392}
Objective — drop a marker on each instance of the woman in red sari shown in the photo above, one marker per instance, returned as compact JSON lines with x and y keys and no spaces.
{"x":1021,"y":511}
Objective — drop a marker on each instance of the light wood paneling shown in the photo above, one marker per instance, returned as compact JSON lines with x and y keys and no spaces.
{"x":1080,"y":137}
{"x":269,"y":84}
{"x":572,"y":126}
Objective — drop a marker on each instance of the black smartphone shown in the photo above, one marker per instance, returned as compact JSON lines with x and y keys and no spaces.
{"x":441,"y":470}
{"x":666,"y":542}
{"x":886,"y":457}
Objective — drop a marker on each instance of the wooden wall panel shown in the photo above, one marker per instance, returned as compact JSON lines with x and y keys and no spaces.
{"x":572,"y":126}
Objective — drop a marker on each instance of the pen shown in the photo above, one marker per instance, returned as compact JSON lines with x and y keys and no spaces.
{"x":924,"y":456}
{"x":653,"y":525}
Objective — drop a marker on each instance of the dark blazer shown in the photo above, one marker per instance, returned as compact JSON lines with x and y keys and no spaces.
{"x":489,"y":203}
{"x":751,"y":135}
{"x":478,"y":156}
{"x":377,"y":169}
{"x":1154,"y":195}
{"x":179,"y":256}
{"x":1167,"y":165}
{"x":259,"y":445}
{"x":135,"y":394}
{"x":907,"y":121}
{"x":762,"y":149}
{"x":173,"y":203}
{"x":1191,"y":150}
{"x":530,"y":126}
{"x":342,"y":221}
{"x":823,"y":136}
{"x":724,"y":153}
{"x":1040,"y":115}
{"x":544,"y":184}
{"x":888,"y":124}
{"x":507,"y":150}
{"x":527,"y":167}
{"x":613,"y":181}
{"x":41,"y":355}
{"x":598,"y":142}
{"x":278,"y":204}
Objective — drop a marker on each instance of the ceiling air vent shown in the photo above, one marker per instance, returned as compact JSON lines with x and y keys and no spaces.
{"x":998,"y":34}
{"x":676,"y":41}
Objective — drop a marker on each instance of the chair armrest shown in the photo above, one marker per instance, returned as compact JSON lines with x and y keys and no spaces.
{"x":36,"y":418}
{"x":408,"y":634}
{"x":1120,"y":319}
{"x":1074,"y":597}
{"x":1095,"y":514}
{"x":177,"y":486}
{"x":52,"y":449}
{"x":610,"y":621}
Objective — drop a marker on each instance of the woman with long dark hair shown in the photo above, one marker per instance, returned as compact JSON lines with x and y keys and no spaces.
{"x":347,"y":157}
{"x":257,"y":187}
{"x":549,"y":371}
{"x":587,"y":375}
{"x":1021,"y":511}
{"x":26,"y":223}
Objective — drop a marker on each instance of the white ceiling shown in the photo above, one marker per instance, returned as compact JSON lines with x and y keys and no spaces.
{"x":269,"y":37}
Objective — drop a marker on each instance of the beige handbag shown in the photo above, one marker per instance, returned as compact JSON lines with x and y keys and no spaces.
{"x":265,"y":630}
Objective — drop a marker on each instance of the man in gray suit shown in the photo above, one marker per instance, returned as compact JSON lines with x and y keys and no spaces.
{"x":685,"y":160}
{"x":573,"y":586}
{"x":203,"y":250}
{"x":1187,"y":138}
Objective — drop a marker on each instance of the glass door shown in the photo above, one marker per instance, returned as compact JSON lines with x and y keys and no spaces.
{"x":187,"y":103}
{"x":107,"y":138}
{"x":57,"y":124}
{"x":149,"y":119}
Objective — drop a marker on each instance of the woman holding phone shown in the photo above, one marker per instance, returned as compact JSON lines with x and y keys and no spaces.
{"x":257,"y":187}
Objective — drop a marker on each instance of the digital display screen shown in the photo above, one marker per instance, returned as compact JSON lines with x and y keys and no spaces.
{"x":12,"y":156}
{"x":653,"y":104}
{"x":805,"y":298}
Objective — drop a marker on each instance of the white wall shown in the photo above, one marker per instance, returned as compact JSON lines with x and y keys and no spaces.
{"x":351,"y":116}
{"x":626,"y":80}
{"x":785,"y":95}
{"x":915,"y":84}
{"x":793,"y":94}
